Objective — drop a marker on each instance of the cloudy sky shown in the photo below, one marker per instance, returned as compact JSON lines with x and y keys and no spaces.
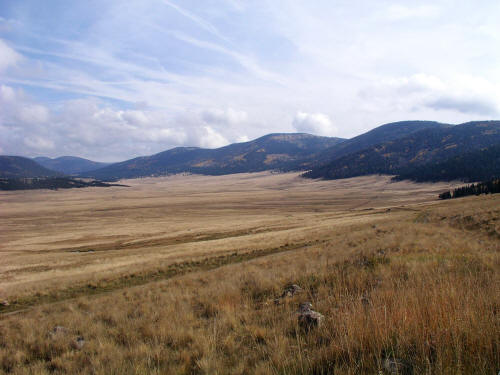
{"x":112,"y":79}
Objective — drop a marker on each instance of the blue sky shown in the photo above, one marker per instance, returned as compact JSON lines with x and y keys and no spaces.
{"x":110,"y":80}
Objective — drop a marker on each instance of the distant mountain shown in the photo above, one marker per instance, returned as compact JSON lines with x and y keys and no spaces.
{"x":434,"y":144}
{"x":473,"y":166}
{"x":270,"y":152}
{"x":19,"y":167}
{"x":69,"y":164}
{"x":383,"y":133}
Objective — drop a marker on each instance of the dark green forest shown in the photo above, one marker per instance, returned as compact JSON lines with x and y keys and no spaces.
{"x":488,"y":187}
{"x":52,"y":183}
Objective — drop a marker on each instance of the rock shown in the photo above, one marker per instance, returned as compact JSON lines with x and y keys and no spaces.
{"x":79,"y":342}
{"x":365,"y":300}
{"x":4,"y":303}
{"x":291,"y":290}
{"x":308,"y":318}
{"x":305,"y":307}
{"x":58,"y":331}
{"x":396,"y":366}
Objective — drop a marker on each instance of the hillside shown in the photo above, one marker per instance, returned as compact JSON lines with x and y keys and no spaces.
{"x":431,"y":145}
{"x":383,"y":133}
{"x":69,"y":164}
{"x":19,"y":167}
{"x":270,"y":152}
{"x":472,"y":166}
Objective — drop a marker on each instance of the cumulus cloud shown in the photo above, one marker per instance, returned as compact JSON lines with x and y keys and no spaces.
{"x":228,"y":116}
{"x":314,"y":123}
{"x":93,"y":129}
{"x":8,"y":56}
{"x":16,"y":108}
{"x":464,"y":105}
{"x":210,"y":138}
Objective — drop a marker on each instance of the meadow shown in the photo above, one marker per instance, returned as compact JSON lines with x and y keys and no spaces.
{"x":180,"y":275}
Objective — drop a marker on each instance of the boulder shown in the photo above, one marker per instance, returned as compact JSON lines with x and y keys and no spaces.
{"x":309,"y":318}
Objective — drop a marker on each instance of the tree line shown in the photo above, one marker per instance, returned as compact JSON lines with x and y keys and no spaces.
{"x":488,"y":187}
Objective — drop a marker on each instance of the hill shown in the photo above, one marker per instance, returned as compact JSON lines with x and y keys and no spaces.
{"x":69,"y":164}
{"x":432,"y":145}
{"x":472,"y":166}
{"x":19,"y":167}
{"x":270,"y":152}
{"x":380,"y":134}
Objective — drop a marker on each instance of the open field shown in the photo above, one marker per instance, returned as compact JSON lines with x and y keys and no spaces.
{"x":179,"y":274}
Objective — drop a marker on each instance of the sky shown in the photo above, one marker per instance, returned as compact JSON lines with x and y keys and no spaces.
{"x":110,"y":80}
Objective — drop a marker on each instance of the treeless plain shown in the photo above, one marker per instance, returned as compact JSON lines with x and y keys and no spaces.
{"x":179,"y":275}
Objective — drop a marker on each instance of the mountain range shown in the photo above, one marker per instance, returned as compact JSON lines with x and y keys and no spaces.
{"x":69,"y":165}
{"x":429,"y":145}
{"x":18,"y":166}
{"x":418,"y":150}
{"x":270,"y":152}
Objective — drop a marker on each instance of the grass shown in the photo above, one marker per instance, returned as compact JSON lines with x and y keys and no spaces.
{"x":419,"y":286}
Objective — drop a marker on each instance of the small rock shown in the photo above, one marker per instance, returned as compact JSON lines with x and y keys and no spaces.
{"x":291,"y":290}
{"x":288,"y":292}
{"x":305,"y":307}
{"x":58,"y":331}
{"x":396,"y":366}
{"x":365,"y":300}
{"x":79,"y":342}
{"x":308,"y":318}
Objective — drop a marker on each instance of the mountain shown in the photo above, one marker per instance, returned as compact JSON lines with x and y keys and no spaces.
{"x":270,"y":152}
{"x":479,"y":165}
{"x":383,"y":133}
{"x":19,"y":167}
{"x":431,"y":145}
{"x":69,"y":164}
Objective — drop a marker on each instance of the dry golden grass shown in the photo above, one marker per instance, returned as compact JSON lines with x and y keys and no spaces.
{"x":418,"y":283}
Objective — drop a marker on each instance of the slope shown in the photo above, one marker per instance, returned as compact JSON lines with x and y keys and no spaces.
{"x":432,"y":145}
{"x":270,"y":152}
{"x":19,"y":167}
{"x":69,"y":164}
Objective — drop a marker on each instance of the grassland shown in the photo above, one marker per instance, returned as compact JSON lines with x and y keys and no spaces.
{"x":179,"y":275}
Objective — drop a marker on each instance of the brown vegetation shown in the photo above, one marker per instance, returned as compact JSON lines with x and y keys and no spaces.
{"x":414,"y":287}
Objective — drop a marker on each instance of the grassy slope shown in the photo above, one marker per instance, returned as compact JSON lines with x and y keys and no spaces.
{"x":419,"y":286}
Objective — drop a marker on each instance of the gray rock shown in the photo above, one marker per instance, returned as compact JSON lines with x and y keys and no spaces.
{"x":396,"y":366}
{"x":291,"y":290}
{"x":308,"y":318}
{"x":79,"y":342}
{"x":288,"y":292}
{"x":58,"y":331}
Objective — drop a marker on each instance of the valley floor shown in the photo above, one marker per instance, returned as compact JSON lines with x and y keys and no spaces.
{"x":179,"y":275}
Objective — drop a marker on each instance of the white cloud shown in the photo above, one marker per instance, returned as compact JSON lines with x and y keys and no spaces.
{"x":8,"y":56}
{"x":210,"y":138}
{"x":401,"y":12}
{"x":16,"y":109}
{"x":39,"y":144}
{"x":227,"y":116}
{"x":314,"y":123}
